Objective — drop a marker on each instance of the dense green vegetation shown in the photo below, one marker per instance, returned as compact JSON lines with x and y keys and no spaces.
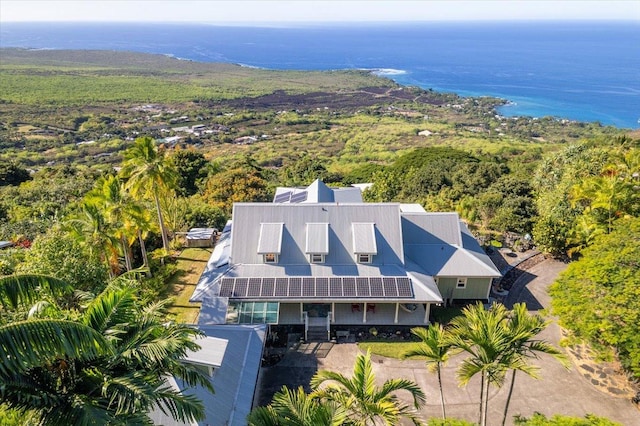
{"x":68,"y":358}
{"x":598,"y":296}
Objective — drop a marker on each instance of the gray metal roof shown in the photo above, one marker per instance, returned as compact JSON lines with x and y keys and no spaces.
{"x":431,"y":228}
{"x":213,"y":309}
{"x":317,"y":238}
{"x":436,"y":244}
{"x":443,"y":246}
{"x":270,"y":238}
{"x":234,"y":381}
{"x":210,"y":353}
{"x":364,"y":238}
{"x":247,"y":218}
{"x":450,"y":261}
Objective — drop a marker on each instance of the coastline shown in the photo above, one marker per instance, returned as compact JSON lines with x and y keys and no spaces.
{"x":512,"y":106}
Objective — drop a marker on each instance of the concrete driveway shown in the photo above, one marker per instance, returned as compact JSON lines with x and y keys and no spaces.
{"x":557,"y":391}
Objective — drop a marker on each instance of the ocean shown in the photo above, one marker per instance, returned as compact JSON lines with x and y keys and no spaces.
{"x":587,"y":71}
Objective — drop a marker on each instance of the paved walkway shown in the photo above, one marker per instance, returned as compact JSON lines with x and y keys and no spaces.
{"x":557,"y":391}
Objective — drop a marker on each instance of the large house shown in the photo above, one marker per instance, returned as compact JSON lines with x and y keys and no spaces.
{"x":303,"y":261}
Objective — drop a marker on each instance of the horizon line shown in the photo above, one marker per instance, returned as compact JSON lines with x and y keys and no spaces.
{"x":311,"y":22}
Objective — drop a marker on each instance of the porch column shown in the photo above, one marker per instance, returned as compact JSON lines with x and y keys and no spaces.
{"x":301,"y":313}
{"x":333,"y":311}
{"x":395,"y":321}
{"x":427,"y":310}
{"x":364,"y":313}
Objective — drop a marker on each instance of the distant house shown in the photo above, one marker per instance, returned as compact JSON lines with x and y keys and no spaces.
{"x":324,"y":264}
{"x":245,"y":140}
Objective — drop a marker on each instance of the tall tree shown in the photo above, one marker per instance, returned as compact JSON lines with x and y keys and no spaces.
{"x":107,"y":367}
{"x":436,"y":348}
{"x":364,"y":402}
{"x":149,"y":175}
{"x":89,"y":226}
{"x":523,"y":329}
{"x":297,"y":408}
{"x":192,"y":169}
{"x":484,"y":335}
{"x":122,"y":213}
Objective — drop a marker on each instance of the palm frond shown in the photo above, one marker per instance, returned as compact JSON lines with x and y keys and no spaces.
{"x":29,"y":344}
{"x":23,"y":290}
{"x":110,"y":308}
{"x":182,"y":407}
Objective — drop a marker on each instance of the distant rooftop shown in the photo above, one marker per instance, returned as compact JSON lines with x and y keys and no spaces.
{"x":318,"y":192}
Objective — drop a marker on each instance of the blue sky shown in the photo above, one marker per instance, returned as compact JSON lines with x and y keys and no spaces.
{"x":268,"y":11}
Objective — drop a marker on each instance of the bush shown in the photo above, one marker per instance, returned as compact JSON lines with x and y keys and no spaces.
{"x":559,"y":420}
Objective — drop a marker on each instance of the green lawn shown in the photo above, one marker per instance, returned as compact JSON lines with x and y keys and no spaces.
{"x":392,"y":349}
{"x":190,"y":264}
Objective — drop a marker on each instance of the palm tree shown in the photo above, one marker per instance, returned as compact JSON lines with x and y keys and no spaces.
{"x":149,"y":175}
{"x":484,"y":335}
{"x":297,"y":408}
{"x":89,"y":226}
{"x":124,"y":215}
{"x":436,"y":348}
{"x":364,"y":403}
{"x":523,"y":329}
{"x":107,"y":366}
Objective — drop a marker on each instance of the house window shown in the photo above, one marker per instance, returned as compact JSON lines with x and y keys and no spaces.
{"x":252,"y":313}
{"x":270,"y":258}
{"x":462,"y":283}
{"x":316,"y":258}
{"x":363,"y":258}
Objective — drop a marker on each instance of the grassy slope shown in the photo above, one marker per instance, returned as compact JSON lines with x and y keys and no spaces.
{"x":190,"y":264}
{"x":68,"y":77}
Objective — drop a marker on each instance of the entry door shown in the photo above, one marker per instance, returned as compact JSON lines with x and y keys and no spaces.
{"x":316,"y":310}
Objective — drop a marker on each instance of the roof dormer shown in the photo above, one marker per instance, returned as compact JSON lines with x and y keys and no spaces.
{"x":364,"y":242}
{"x":317,"y":244}
{"x":270,"y":241}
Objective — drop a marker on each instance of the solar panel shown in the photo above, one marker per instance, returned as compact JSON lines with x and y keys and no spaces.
{"x":282,"y":198}
{"x":268,"y":286}
{"x":282,"y":287}
{"x":390,"y":288}
{"x":295,"y":287}
{"x":308,"y":287}
{"x":362,"y":287}
{"x":299,"y":197}
{"x":316,"y":287}
{"x":404,"y":287}
{"x":226,"y":287}
{"x":349,"y":287}
{"x":322,"y":287}
{"x":335,"y":287}
{"x":255,"y":287}
{"x":240,"y":289}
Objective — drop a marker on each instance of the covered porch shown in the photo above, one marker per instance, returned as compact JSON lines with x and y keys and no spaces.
{"x":358,"y":313}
